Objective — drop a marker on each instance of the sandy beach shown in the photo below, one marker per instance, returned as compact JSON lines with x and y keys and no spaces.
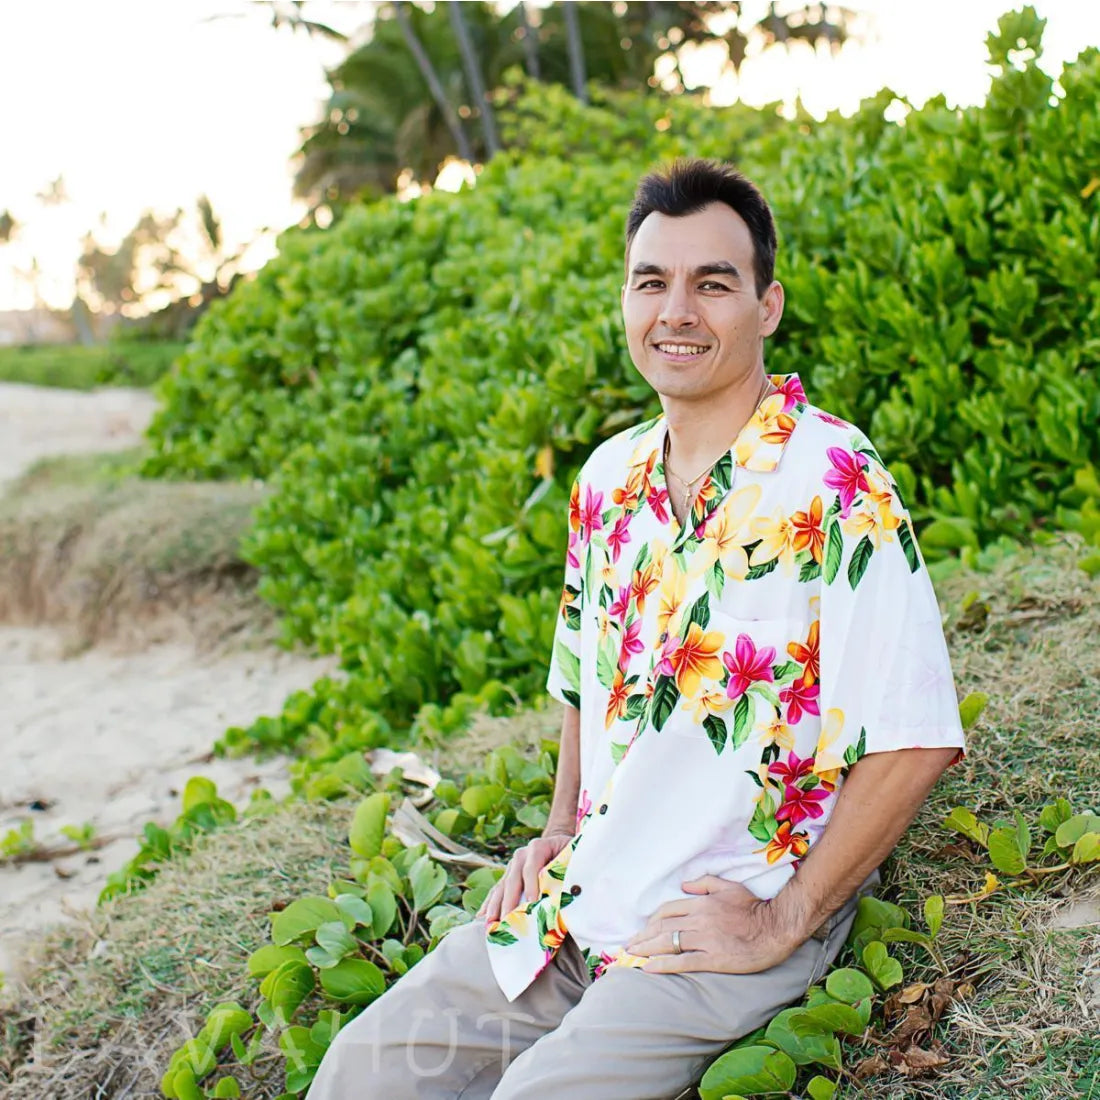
{"x":109,"y":738}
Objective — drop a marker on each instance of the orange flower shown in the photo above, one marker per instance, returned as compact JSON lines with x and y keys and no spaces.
{"x":808,"y":655}
{"x":697,"y":656}
{"x":642,"y":583}
{"x":617,"y":700}
{"x":808,"y":530}
{"x":784,"y":841}
{"x":575,"y":507}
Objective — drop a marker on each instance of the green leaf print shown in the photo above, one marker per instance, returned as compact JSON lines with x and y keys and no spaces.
{"x":810,"y":571}
{"x":716,"y":731}
{"x":854,"y":752}
{"x":642,"y":558}
{"x":606,"y":661}
{"x":572,"y":617}
{"x":502,"y":937}
{"x":762,"y":824}
{"x":786,"y":672}
{"x":700,"y":612}
{"x":715,"y":580}
{"x":861,"y":557}
{"x":722,"y":474}
{"x":618,"y":751}
{"x":905,"y":536}
{"x":569,"y":664}
{"x":635,"y":706}
{"x":742,"y":721}
{"x":765,"y":691}
{"x":761,"y":570}
{"x":834,"y":551}
{"x":833,"y":508}
{"x":573,"y":698}
{"x":665,"y":697}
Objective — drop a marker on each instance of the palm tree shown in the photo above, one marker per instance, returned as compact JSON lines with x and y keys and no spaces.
{"x":424,"y":63}
{"x":576,"y":50}
{"x":473,"y":76}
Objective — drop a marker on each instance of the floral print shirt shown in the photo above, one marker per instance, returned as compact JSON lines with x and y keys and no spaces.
{"x":727,"y":672}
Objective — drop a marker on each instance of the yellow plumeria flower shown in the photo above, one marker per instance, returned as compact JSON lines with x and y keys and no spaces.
{"x":825,"y":758}
{"x":776,"y":534}
{"x":710,"y":702}
{"x":776,"y":732}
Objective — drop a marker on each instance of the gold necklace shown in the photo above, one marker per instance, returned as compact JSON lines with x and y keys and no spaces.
{"x":688,"y":490}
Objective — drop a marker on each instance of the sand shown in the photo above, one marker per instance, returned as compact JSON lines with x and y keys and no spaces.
{"x":109,"y":738}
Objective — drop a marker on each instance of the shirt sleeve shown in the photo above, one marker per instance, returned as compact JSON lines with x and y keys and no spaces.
{"x":564,"y":679}
{"x":885,"y":673}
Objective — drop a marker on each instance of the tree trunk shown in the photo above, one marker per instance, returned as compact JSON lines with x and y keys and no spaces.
{"x":576,"y":49}
{"x":530,"y":41}
{"x":454,"y":123}
{"x":472,"y":68}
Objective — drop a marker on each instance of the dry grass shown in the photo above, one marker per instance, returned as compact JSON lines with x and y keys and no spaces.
{"x":86,"y":544}
{"x":115,"y":999}
{"x":106,"y":1003}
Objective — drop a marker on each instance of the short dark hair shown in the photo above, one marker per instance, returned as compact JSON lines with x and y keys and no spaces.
{"x":690,"y":183}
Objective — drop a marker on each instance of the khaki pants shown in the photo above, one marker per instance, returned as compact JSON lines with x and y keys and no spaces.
{"x":444,"y":1030}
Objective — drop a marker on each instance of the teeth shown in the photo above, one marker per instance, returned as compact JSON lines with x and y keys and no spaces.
{"x":682,"y":349}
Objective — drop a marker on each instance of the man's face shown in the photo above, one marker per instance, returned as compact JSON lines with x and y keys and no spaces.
{"x":690,"y":280}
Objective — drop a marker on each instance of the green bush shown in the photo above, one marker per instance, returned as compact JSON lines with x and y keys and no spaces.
{"x":76,"y":367}
{"x":421,"y":382}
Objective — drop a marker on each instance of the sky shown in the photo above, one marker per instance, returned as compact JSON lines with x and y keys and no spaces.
{"x":148,"y":105}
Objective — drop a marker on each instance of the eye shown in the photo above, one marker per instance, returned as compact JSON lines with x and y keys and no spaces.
{"x":648,"y":282}
{"x":717,"y":286}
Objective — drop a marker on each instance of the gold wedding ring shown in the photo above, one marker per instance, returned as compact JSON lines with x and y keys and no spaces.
{"x":676,"y":948}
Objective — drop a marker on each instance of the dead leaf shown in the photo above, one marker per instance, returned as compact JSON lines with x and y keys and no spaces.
{"x":919,"y":1062}
{"x":870,"y":1067}
{"x":938,"y":1005}
{"x":912,"y":993}
{"x":916,"y":1022}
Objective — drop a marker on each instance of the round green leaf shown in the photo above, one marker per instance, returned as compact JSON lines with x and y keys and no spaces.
{"x":301,"y":919}
{"x":353,"y":982}
{"x":1086,"y":849}
{"x":270,"y":956}
{"x":288,"y":987}
{"x":885,"y":971}
{"x":849,"y":985}
{"x":368,"y":825}
{"x":760,"y":1071}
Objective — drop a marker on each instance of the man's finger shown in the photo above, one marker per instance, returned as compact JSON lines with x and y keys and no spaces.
{"x":513,"y":887}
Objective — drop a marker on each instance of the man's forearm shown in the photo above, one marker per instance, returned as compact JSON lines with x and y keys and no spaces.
{"x":877,"y":800}
{"x":567,"y":783}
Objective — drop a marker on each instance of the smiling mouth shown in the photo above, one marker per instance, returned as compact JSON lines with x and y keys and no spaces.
{"x":680,"y":352}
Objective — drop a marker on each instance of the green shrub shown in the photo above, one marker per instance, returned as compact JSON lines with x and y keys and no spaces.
{"x":421,"y":382}
{"x":76,"y":367}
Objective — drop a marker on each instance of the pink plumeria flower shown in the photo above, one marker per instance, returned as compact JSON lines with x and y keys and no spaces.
{"x":746,"y":665}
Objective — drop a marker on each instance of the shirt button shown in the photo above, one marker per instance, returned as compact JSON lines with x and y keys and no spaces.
{"x":603,"y":808}
{"x":664,"y":636}
{"x":575,"y":889}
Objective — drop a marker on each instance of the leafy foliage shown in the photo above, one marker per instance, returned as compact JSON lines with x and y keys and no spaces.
{"x":421,"y":382}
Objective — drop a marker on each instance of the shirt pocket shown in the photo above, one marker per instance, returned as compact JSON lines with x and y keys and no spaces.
{"x":738,"y":707}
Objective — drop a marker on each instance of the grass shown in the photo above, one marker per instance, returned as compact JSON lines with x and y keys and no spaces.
{"x":113,"y":999}
{"x":75,"y":367}
{"x":86,"y":543}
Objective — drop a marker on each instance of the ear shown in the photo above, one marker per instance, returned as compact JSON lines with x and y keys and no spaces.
{"x":771,"y":309}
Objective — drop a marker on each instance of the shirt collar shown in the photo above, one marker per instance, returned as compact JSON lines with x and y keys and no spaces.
{"x":760,"y":443}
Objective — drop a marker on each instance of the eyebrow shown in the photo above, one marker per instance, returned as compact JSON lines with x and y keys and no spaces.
{"x":716,"y":267}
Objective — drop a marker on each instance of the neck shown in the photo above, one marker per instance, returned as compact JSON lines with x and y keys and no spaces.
{"x":699,"y":433}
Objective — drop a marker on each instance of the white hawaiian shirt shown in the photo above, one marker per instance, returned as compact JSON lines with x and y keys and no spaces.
{"x":727,"y":672}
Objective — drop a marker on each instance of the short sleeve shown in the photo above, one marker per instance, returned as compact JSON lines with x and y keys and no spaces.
{"x":886,"y":680}
{"x":564,"y":679}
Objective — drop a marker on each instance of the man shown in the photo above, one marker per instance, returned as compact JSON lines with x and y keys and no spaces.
{"x":755,"y":682}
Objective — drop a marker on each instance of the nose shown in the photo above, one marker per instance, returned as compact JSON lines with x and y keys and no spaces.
{"x":678,"y":309}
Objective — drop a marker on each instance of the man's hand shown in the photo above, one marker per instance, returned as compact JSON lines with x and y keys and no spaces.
{"x":727,"y":929}
{"x":522,"y":875}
